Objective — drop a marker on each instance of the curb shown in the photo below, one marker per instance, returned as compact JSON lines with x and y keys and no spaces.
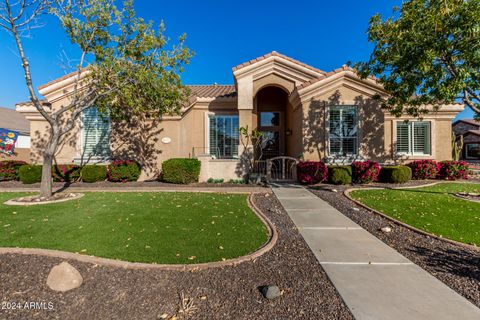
{"x":347,"y":192}
{"x":267,"y":246}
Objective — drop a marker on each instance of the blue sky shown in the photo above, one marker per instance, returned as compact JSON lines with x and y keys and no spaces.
{"x":325,"y":34}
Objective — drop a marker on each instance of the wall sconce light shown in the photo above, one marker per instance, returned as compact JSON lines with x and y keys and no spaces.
{"x":288,"y":132}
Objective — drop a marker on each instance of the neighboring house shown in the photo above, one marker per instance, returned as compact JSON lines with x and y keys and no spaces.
{"x":303,"y":111}
{"x":13,"y":120}
{"x":470,"y":130}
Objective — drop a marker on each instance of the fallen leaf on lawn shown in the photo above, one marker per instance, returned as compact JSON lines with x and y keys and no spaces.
{"x":192,"y":257}
{"x":221,"y":248}
{"x":83,"y":250}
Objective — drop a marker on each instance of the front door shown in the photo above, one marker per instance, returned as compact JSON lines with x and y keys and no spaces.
{"x":271,"y":123}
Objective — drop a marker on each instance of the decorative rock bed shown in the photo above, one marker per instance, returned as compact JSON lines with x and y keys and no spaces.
{"x":475,"y":197}
{"x":35,"y":199}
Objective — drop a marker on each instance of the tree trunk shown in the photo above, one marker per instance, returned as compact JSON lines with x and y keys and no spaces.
{"x":46,"y":184}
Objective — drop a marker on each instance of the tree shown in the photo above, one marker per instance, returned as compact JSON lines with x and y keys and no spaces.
{"x":427,"y":54}
{"x":124,"y":69}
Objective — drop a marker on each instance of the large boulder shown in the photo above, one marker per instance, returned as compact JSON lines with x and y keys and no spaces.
{"x":64,"y":277}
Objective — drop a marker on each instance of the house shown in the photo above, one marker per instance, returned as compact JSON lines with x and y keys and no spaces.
{"x":470,"y":130}
{"x":303,"y":111}
{"x":15,"y":121}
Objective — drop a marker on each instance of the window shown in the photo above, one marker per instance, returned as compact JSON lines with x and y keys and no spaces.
{"x":343,"y":130}
{"x":413,"y":138}
{"x":224,"y":136}
{"x":472,"y":151}
{"x":269,"y":119}
{"x":95,"y":134}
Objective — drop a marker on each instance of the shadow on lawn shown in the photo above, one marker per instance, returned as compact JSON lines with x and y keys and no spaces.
{"x":456,"y":261}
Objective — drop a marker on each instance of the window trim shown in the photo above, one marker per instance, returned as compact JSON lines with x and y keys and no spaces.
{"x":357,"y":138}
{"x":411,"y":138}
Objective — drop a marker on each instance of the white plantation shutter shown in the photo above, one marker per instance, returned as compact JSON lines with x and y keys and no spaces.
{"x":413,"y":138}
{"x":343,"y":130}
{"x":95,"y":133}
{"x":224,"y":136}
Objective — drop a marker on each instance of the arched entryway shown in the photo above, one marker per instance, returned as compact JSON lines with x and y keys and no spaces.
{"x":271,"y":105}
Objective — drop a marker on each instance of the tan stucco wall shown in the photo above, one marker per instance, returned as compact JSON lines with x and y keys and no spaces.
{"x":21,"y":154}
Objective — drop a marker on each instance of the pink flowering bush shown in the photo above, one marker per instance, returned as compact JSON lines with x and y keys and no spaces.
{"x":123,"y":171}
{"x":424,"y":169}
{"x":365,"y":171}
{"x":66,"y":172}
{"x":9,"y":169}
{"x":311,"y":172}
{"x":453,"y":170}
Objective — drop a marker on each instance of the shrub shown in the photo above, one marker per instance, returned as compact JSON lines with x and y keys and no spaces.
{"x":212,"y":180}
{"x":181,"y":170}
{"x":30,"y":173}
{"x":340,"y":174}
{"x":237,"y":181}
{"x":311,"y":172}
{"x":395,"y":174}
{"x":453,"y":170}
{"x":365,"y":171}
{"x":424,"y":169}
{"x":123,"y":171}
{"x":94,"y":173}
{"x":66,"y":172}
{"x":9,"y":169}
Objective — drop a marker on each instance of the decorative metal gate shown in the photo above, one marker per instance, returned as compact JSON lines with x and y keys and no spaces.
{"x":282,"y":169}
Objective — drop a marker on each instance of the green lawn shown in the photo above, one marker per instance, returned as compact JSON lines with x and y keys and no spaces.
{"x":141,"y":227}
{"x":433,"y":209}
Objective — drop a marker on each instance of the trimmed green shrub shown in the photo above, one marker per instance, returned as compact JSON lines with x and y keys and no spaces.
{"x":66,"y":172}
{"x":30,"y":173}
{"x":123,"y":171}
{"x":395,"y":174}
{"x":237,"y":181}
{"x":212,"y":180}
{"x":94,"y":173}
{"x":181,"y":170}
{"x":9,"y":169}
{"x":340,"y":174}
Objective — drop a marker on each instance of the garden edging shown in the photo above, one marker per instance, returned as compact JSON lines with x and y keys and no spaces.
{"x":347,"y":192}
{"x":267,"y":246}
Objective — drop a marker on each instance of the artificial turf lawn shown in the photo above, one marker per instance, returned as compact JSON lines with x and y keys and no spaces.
{"x":433,"y":209}
{"x":141,"y":227}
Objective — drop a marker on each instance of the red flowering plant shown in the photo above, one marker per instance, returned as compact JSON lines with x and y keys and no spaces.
{"x":365,"y":171}
{"x":453,"y":170}
{"x":123,"y":171}
{"x":424,"y":169}
{"x":66,"y":172}
{"x":311,"y":172}
{"x":9,"y":169}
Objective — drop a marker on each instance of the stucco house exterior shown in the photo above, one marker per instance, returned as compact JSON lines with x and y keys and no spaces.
{"x":303,"y":111}
{"x":470,"y":130}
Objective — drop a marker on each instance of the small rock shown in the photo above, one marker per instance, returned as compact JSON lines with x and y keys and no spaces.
{"x":271,"y":292}
{"x":334,"y":190}
{"x":64,"y":277}
{"x":355,"y":209}
{"x":386,"y":229}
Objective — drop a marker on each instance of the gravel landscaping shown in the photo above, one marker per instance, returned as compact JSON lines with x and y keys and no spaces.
{"x":455,"y":265}
{"x":221,"y":293}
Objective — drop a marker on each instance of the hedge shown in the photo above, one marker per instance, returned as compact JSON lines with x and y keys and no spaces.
{"x":66,"y":172}
{"x":340,"y":174}
{"x":9,"y":169}
{"x":365,"y":171}
{"x":311,"y":172}
{"x":395,"y":174}
{"x":123,"y":171}
{"x":181,"y":170}
{"x":30,"y":173}
{"x":94,"y":173}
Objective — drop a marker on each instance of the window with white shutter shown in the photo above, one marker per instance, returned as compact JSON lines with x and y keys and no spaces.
{"x":95,"y":134}
{"x":224,"y":136}
{"x":413,"y":138}
{"x":343,"y":127}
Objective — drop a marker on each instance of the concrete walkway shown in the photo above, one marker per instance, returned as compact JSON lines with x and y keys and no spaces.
{"x":374,"y":280}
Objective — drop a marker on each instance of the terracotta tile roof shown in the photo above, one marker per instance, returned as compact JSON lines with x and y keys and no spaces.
{"x":212,"y":91}
{"x":276,"y":54}
{"x":13,"y":120}
{"x":329,"y":74}
{"x":468,"y":121}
